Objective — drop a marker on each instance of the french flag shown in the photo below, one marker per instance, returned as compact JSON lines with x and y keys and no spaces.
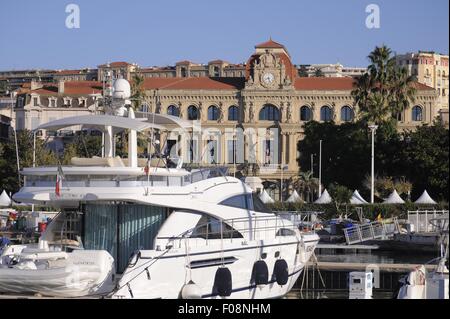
{"x":59,"y":178}
{"x":58,"y":185}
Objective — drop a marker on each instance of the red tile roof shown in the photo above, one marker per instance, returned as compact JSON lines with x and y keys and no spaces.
{"x":270,"y":44}
{"x":422,"y":87}
{"x":194,"y":83}
{"x":324,"y":84}
{"x":338,"y":84}
{"x":116,"y":64}
{"x":184,"y":62}
{"x":68,"y":72}
{"x":218,"y":62}
{"x":70,"y":88}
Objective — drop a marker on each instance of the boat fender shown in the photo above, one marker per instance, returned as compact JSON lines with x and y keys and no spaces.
{"x":129,"y":290}
{"x":191,"y":291}
{"x":260,"y":273}
{"x":281,"y":272}
{"x":223,"y":283}
{"x":26,"y":265}
{"x":137,"y":255}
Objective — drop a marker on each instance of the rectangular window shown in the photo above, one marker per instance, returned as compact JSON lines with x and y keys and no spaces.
{"x":171,"y":148}
{"x":35,"y":101}
{"x":53,"y":103}
{"x":268,"y":152}
{"x":231,"y":152}
{"x":212,"y":150}
{"x":192,"y":151}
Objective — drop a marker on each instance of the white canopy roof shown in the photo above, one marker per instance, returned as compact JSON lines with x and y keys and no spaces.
{"x":394,"y":198}
{"x":100,"y":121}
{"x":162,"y":119}
{"x":4,"y":199}
{"x":325,"y":198}
{"x":357,"y":199}
{"x":425,"y":199}
{"x":294,"y":198}
{"x":265,"y":198}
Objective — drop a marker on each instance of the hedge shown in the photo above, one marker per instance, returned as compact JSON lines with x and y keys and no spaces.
{"x":370,"y":211}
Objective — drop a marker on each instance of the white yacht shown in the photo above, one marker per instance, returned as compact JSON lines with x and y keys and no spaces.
{"x":133,"y":228}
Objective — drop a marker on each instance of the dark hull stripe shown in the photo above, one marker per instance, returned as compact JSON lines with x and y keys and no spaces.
{"x":228,"y":250}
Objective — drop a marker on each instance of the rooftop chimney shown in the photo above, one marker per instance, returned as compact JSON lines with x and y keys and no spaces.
{"x":34,"y":85}
{"x":60,"y":87}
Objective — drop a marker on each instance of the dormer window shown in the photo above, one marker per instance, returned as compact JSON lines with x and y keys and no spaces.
{"x":35,"y":101}
{"x":67,"y":102}
{"x":81,"y":103}
{"x":52,"y":103}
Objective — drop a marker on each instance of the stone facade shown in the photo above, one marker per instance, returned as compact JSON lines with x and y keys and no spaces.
{"x":270,"y":96}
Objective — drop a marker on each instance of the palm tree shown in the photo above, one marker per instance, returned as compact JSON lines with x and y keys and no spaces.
{"x":318,"y":73}
{"x":138,"y":94}
{"x":385,"y":90}
{"x":306,"y":184}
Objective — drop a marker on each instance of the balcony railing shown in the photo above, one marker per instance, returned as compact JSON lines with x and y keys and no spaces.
{"x":126,"y":181}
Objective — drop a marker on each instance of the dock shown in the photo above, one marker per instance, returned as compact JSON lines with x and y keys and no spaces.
{"x":347,"y":247}
{"x":338,"y":266}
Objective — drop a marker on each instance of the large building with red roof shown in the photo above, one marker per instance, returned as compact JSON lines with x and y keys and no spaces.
{"x":266,"y":95}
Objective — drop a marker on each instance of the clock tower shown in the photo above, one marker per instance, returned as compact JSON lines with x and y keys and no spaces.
{"x":270,"y":68}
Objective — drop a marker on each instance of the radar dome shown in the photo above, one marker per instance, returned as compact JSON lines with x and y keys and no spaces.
{"x":121,"y":89}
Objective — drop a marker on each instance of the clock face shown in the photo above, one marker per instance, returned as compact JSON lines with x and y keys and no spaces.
{"x":268,"y":78}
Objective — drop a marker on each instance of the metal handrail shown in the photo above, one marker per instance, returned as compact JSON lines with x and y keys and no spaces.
{"x":253,"y":228}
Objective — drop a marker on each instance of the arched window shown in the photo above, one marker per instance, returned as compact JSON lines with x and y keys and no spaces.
{"x":326,"y":114}
{"x":305,"y":114}
{"x":347,"y":114}
{"x":173,"y":110}
{"x":417,"y":114}
{"x":269,"y":113}
{"x":213,"y":113}
{"x":193,"y":113}
{"x":233,"y":113}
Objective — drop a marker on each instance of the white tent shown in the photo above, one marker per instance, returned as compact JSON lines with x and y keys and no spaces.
{"x":265,"y":198}
{"x":425,"y":199}
{"x":5,"y":200}
{"x":294,"y":198}
{"x":357,"y":199}
{"x":325,"y":198}
{"x":394,"y":198}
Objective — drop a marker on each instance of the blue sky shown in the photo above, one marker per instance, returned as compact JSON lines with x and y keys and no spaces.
{"x":162,"y":32}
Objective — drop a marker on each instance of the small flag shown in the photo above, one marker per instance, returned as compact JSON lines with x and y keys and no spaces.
{"x":58,"y":186}
{"x":59,"y":179}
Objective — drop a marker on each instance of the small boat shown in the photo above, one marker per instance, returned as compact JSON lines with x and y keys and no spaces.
{"x":25,"y":270}
{"x":420,"y":284}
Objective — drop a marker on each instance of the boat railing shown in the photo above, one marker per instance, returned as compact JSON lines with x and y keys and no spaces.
{"x":421,"y":219}
{"x":98,"y":180}
{"x":302,"y":219}
{"x":240,"y":229}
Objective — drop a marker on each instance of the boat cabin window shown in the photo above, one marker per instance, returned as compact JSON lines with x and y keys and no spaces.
{"x":246,"y":201}
{"x":259,"y":206}
{"x":282,"y":232}
{"x":209,"y":228}
{"x":243,"y":201}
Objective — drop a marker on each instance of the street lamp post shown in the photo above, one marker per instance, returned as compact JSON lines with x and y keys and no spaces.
{"x":373,"y":129}
{"x":320,"y":169}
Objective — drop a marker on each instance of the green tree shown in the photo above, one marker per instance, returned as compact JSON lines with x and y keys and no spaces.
{"x":385,"y":90}
{"x":302,"y":72}
{"x":307,"y":184}
{"x":341,"y":195}
{"x":319,"y":74}
{"x":426,"y":152}
{"x":138,"y":93}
